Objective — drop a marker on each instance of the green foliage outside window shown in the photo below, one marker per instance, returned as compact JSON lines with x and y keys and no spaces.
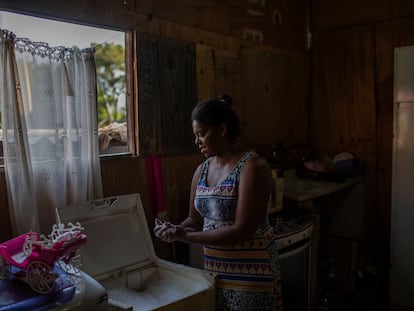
{"x":110,"y":68}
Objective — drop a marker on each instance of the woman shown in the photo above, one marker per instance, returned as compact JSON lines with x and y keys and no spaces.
{"x":228,"y":213}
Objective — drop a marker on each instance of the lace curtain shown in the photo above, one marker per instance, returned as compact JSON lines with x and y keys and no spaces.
{"x":50,"y":136}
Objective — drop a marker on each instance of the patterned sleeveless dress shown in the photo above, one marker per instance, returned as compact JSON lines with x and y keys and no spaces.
{"x":248,"y":274}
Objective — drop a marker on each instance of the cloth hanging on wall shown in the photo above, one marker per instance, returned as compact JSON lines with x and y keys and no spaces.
{"x":156,"y":185}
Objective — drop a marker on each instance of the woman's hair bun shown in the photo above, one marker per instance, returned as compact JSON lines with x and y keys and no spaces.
{"x":227,"y":99}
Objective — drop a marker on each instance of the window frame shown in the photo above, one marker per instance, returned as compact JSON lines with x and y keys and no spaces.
{"x":131,"y":85}
{"x":131,"y":96}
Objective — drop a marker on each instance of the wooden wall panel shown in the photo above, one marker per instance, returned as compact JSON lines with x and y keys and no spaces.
{"x":113,"y":14}
{"x":178,"y":173}
{"x":343,"y":91}
{"x":274,"y":97}
{"x":206,"y":85}
{"x":343,"y":107}
{"x":279,"y":23}
{"x":125,"y":175}
{"x":228,"y":78}
{"x":327,"y":14}
{"x":196,"y":35}
{"x":207,"y":14}
{"x":218,"y":72}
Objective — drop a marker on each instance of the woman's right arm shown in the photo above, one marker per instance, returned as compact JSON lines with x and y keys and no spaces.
{"x":193,"y":223}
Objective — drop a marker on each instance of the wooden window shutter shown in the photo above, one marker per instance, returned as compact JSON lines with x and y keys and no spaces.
{"x":167,"y":93}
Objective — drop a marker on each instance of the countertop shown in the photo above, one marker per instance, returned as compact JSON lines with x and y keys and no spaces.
{"x":302,"y":189}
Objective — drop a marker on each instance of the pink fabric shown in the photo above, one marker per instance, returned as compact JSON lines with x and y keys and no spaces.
{"x":156,"y":183}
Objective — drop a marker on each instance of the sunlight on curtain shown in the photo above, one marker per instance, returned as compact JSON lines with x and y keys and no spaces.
{"x":49,"y":121}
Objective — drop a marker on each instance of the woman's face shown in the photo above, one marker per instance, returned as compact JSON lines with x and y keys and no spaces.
{"x":207,"y":138}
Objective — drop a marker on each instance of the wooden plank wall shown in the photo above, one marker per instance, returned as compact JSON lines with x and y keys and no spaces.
{"x":275,"y":93}
{"x":351,"y":73}
{"x":230,"y":36}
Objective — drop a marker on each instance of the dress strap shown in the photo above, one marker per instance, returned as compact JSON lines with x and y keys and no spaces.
{"x":202,"y":180}
{"x":246,"y":156}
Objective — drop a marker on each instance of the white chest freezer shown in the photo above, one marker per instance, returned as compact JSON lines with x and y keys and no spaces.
{"x":120,"y":255}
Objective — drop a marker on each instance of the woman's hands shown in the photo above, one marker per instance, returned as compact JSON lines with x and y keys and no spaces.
{"x":168,"y":232}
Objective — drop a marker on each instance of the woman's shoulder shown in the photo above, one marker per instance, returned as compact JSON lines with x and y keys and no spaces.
{"x":256,"y":162}
{"x":252,"y":154}
{"x":256,"y":172}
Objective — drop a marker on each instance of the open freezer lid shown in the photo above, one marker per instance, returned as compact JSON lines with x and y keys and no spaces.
{"x":117,"y":234}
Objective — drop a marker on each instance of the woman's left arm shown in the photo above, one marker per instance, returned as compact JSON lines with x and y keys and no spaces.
{"x":254,"y":192}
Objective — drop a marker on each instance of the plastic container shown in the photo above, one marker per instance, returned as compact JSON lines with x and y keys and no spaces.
{"x":120,"y":255}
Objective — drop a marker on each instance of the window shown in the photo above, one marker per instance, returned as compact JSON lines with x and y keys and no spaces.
{"x":111,"y":69}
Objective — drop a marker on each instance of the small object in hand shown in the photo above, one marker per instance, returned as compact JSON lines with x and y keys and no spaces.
{"x":163,"y":228}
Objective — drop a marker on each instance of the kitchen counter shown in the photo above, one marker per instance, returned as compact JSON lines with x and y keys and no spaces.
{"x":302,"y":192}
{"x":303,"y":189}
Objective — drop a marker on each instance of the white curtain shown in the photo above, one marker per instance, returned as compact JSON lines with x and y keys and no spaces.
{"x":50,"y":135}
